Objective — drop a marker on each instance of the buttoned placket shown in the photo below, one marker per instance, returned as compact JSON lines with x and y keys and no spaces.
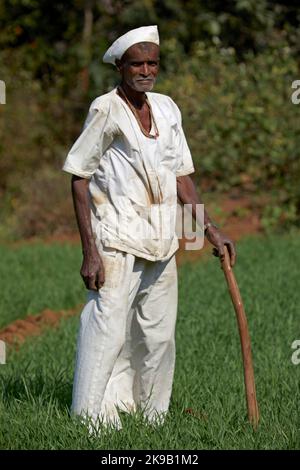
{"x":144,"y":148}
{"x":157,"y":187}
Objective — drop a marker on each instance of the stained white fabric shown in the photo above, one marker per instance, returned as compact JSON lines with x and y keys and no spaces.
{"x":142,"y":34}
{"x":133,"y":192}
{"x":126,"y":343}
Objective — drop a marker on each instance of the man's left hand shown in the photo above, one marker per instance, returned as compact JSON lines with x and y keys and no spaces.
{"x":216,"y":238}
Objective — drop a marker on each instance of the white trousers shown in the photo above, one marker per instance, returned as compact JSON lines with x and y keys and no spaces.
{"x":126,"y":343}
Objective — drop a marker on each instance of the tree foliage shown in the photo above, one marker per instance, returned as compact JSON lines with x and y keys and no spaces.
{"x":228,"y":64}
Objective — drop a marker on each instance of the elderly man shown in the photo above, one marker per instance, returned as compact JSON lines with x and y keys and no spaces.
{"x":129,"y":165}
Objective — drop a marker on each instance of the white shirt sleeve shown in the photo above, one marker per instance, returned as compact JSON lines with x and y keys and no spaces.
{"x":185,"y":164}
{"x":97,"y":134}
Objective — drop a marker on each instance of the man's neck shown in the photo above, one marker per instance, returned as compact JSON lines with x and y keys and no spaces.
{"x":136,"y":98}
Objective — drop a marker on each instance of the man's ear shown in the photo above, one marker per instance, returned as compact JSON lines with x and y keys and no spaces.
{"x":118,"y":65}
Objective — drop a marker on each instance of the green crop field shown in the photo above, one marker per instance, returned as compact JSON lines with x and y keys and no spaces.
{"x":36,"y":382}
{"x":35,"y":277}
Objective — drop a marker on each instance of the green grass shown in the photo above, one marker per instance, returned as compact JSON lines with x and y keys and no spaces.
{"x":36,"y":383}
{"x":35,"y":277}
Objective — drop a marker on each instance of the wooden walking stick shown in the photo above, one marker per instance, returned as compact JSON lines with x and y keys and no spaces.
{"x":253,"y":413}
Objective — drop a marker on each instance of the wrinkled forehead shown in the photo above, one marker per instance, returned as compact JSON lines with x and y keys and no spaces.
{"x":141,"y":51}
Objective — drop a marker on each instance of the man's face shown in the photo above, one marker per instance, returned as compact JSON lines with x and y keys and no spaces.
{"x":139,"y":66}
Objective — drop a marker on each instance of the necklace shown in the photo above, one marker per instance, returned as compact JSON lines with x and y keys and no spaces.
{"x":144,"y":131}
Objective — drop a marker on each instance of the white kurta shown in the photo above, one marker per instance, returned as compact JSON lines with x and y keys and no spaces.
{"x":132,"y":177}
{"x":126,"y":343}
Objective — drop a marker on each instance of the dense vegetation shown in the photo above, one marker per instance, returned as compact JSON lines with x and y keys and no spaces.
{"x":228,"y":64}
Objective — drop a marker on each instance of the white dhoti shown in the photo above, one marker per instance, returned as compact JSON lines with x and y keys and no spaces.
{"x":126,"y":342}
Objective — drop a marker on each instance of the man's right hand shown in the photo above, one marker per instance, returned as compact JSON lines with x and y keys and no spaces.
{"x":92,"y":270}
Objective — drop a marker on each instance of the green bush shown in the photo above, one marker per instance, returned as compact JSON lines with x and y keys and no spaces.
{"x":240,"y":122}
{"x":238,"y":116}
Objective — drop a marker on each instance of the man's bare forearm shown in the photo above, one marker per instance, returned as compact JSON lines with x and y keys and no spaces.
{"x":92,"y":269}
{"x":82,"y":211}
{"x":187,"y":194}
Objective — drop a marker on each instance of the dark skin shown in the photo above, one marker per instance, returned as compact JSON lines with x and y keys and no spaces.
{"x":187,"y":194}
{"x":92,"y":268}
{"x":138,"y":68}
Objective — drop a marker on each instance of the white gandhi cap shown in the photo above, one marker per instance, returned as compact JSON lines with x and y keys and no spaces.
{"x":117,"y":49}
